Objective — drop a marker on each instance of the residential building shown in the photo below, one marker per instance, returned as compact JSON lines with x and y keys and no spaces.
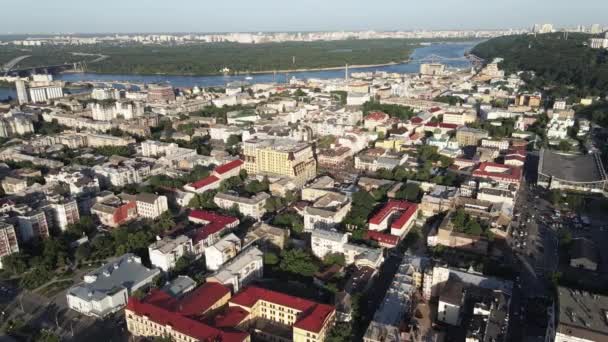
{"x":326,"y":212}
{"x":501,"y":173}
{"x":12,"y":185}
{"x":432,"y":69}
{"x":32,"y":224}
{"x":467,"y":136}
{"x":325,"y":242}
{"x":265,"y":235}
{"x":130,"y":171}
{"x":253,"y":207}
{"x":220,"y":252}
{"x":500,"y":144}
{"x":439,"y":199}
{"x":150,"y":205}
{"x":241,"y":270}
{"x":106,"y":289}
{"x":459,"y":116}
{"x":448,"y":235}
{"x":293,"y":319}
{"x":164,"y":253}
{"x":375,"y":119}
{"x":62,"y":212}
{"x":213,"y":181}
{"x":334,"y":158}
{"x":374,"y":159}
{"x":185,"y":319}
{"x":113,"y":211}
{"x":399,"y":216}
{"x":582,"y":316}
{"x":215,"y":225}
{"x":160,"y":93}
{"x":8,"y":241}
{"x":396,"y":306}
{"x":280,"y":157}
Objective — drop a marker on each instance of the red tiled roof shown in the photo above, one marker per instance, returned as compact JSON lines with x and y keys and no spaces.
{"x":511,"y":173}
{"x":313,"y":316}
{"x":407,"y":208}
{"x":416,"y":120}
{"x":202,"y":299}
{"x":515,"y":156}
{"x":204,"y":182}
{"x":182,"y":324}
{"x":434,"y":109}
{"x":377,"y":116}
{"x":382,"y":237}
{"x":441,"y":125}
{"x":231,"y":317}
{"x":228,"y":166}
{"x":214,"y":223}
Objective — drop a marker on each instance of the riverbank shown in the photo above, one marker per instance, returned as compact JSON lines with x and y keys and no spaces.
{"x":283,"y":71}
{"x":453,"y":52}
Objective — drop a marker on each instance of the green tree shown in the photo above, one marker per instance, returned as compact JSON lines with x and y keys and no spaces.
{"x":564,"y":146}
{"x":411,"y":192}
{"x":233,"y":140}
{"x":340,"y":332}
{"x":298,"y":261}
{"x":271,"y":258}
{"x":334,"y":259}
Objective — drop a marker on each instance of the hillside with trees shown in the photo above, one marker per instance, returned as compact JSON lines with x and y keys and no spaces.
{"x":565,"y":67}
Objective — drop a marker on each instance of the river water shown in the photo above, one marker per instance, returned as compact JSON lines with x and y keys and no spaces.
{"x":446,"y":50}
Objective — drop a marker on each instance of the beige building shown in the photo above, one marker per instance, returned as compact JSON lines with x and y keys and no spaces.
{"x":275,"y":316}
{"x":253,"y":207}
{"x":281,"y":157}
{"x":12,"y":185}
{"x":267,"y":235}
{"x":326,"y":212}
{"x":466,"y":136}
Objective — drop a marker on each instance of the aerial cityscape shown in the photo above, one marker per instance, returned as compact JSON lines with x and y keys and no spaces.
{"x":215,"y":183}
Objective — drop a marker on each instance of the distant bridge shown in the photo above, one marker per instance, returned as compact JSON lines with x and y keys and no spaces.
{"x":111,"y":84}
{"x":440,"y":59}
{"x":12,"y":63}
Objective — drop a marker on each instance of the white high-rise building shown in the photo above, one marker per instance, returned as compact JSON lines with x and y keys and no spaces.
{"x":21,"y":92}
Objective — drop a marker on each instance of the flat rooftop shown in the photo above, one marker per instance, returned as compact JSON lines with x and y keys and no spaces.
{"x":582,"y":314}
{"x":584,"y":168}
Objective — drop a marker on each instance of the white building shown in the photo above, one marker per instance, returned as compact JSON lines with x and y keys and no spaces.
{"x":241,"y":270}
{"x":253,"y":207}
{"x":106,"y":290}
{"x":44,"y":93}
{"x":8,"y":241}
{"x":500,"y":144}
{"x":326,"y":212}
{"x":62,"y":212}
{"x":222,"y":251}
{"x":165,"y":253}
{"x":151,"y":206}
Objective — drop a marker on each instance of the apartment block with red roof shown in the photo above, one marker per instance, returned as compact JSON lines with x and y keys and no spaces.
{"x":280,"y":317}
{"x":220,"y":173}
{"x":214,"y":226}
{"x":500,"y":173}
{"x":186,"y":319}
{"x":399,"y":216}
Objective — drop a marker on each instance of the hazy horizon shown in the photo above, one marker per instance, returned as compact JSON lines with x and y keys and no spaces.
{"x":190,"y":16}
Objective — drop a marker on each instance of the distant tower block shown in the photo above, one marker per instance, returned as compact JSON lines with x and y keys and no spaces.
{"x":346,"y":73}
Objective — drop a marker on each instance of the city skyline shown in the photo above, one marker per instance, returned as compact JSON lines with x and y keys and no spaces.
{"x":67,"y":16}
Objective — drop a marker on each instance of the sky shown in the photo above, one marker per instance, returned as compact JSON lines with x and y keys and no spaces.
{"x":88,"y":16}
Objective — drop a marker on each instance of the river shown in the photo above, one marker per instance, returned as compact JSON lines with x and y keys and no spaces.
{"x":446,"y":50}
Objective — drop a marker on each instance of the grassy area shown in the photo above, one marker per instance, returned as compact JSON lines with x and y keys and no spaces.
{"x":204,"y":59}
